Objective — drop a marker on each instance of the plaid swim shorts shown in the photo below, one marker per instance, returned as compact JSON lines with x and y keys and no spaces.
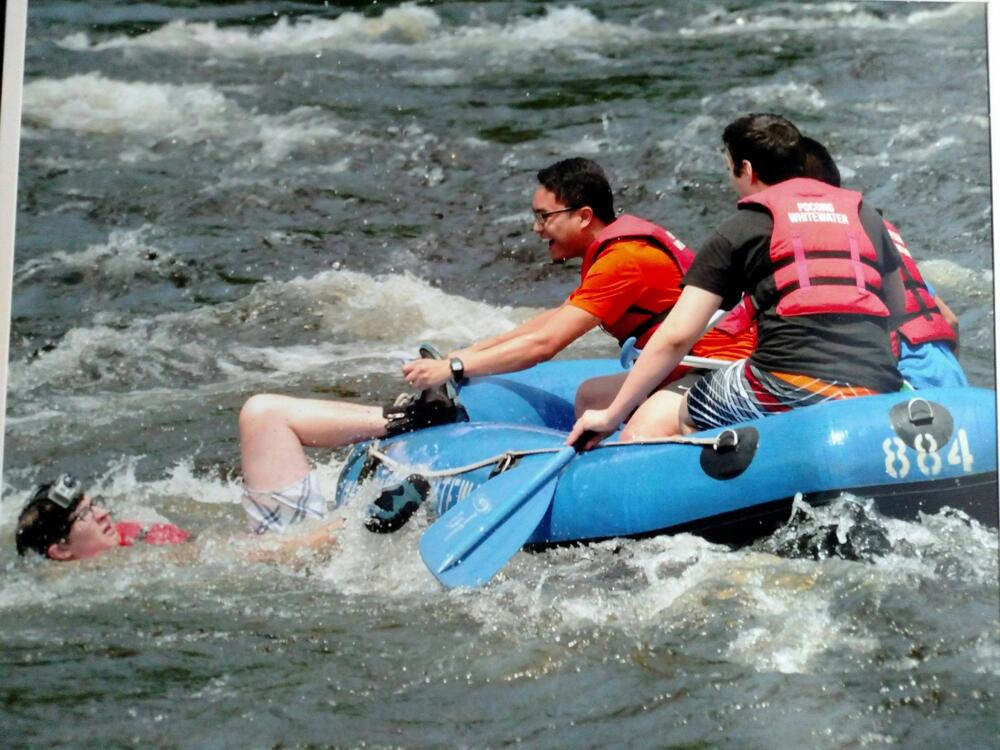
{"x":277,"y":511}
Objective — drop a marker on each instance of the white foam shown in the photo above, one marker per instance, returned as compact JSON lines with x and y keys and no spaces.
{"x":432,"y":77}
{"x":150,"y":351}
{"x":399,"y":27}
{"x":787,"y":607}
{"x":400,"y":308}
{"x":124,"y":256}
{"x":947,"y":276}
{"x":781,"y":615}
{"x":587,"y":145}
{"x":408,"y":30}
{"x":779,"y":96}
{"x":189,"y":113}
{"x":920,"y":142}
{"x":813,"y":18}
{"x":987,"y":655}
{"x":364,"y":563}
{"x":391,"y":314}
{"x":92,"y":103}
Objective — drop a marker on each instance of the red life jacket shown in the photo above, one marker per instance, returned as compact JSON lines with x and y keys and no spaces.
{"x":130,"y":532}
{"x":922,"y":319}
{"x":823,"y":260}
{"x":629,"y":227}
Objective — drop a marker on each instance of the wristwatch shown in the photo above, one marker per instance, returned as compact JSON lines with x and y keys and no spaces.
{"x":457,"y":370}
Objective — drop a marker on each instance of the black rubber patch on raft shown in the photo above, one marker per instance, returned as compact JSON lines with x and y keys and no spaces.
{"x":921,"y":424}
{"x":732,"y":454}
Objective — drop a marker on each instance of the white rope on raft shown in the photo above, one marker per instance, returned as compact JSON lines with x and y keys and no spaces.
{"x":508,"y":457}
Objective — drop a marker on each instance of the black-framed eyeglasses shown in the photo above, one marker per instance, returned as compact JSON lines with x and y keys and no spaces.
{"x":540,"y":217}
{"x":80,"y":514}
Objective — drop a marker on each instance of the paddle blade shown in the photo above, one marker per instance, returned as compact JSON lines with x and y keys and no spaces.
{"x":477,"y":536}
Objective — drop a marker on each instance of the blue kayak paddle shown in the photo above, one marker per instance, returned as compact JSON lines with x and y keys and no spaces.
{"x":478,"y":535}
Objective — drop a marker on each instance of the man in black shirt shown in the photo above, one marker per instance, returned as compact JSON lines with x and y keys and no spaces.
{"x":823,"y":276}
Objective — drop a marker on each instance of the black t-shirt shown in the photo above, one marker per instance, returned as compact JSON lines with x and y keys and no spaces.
{"x":846,"y":348}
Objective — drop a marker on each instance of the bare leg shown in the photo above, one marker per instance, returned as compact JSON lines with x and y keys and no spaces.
{"x":274,"y":429}
{"x":598,"y":393}
{"x":658,"y":416}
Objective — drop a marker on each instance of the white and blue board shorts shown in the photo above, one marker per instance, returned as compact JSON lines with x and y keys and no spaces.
{"x":277,"y":511}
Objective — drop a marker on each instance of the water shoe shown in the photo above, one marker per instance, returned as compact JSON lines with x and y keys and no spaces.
{"x":395,"y":505}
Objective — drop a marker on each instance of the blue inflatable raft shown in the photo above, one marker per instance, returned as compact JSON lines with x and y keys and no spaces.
{"x":911,"y":452}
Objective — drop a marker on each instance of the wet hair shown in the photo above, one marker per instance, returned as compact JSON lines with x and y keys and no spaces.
{"x":45,"y":518}
{"x":771,"y":143}
{"x":580,"y":182}
{"x":818,"y":163}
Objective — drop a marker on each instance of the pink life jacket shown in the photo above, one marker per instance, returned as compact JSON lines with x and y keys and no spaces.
{"x":130,"y":532}
{"x":922,"y":319}
{"x":823,"y":260}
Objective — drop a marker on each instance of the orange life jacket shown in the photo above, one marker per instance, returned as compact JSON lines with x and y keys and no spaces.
{"x":629,"y":227}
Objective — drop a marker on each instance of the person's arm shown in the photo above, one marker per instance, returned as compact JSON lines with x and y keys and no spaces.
{"x":662,"y":353}
{"x":294,"y":548}
{"x":949,"y":317}
{"x":889,"y":262}
{"x":556,"y":332}
{"x":529,"y":326}
{"x":895,"y":294}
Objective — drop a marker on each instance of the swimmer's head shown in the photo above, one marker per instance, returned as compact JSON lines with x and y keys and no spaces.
{"x":61,"y":522}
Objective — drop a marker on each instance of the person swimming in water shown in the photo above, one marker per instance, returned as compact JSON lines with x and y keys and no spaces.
{"x":63,"y":523}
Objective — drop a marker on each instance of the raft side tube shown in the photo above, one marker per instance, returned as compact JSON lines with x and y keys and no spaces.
{"x":628,"y":490}
{"x":543,"y":395}
{"x":883,"y":447}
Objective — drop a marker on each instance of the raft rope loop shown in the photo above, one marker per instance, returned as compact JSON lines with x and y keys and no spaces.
{"x":725,"y":440}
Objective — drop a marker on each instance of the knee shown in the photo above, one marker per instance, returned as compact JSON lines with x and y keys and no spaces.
{"x":586,"y":397}
{"x":261,"y":409}
{"x":656,"y":418}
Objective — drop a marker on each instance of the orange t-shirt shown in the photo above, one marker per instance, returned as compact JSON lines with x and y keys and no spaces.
{"x":628,"y":282}
{"x":632,"y":280}
{"x":718,"y":344}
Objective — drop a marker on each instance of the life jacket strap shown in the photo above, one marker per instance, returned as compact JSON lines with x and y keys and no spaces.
{"x":799,"y":253}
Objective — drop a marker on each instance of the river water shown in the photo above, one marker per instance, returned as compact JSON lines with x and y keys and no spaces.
{"x":223,"y":198}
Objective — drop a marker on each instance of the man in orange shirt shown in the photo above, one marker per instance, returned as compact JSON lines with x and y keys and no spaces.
{"x":630,"y":280}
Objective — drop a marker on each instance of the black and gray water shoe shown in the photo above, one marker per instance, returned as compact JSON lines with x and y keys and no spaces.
{"x":396,"y":505}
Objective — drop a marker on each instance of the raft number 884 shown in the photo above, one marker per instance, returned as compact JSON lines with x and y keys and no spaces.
{"x":898,"y":464}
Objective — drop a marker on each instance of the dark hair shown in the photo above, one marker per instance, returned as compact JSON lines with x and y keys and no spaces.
{"x":818,"y":163}
{"x":771,"y":143}
{"x":45,"y":520}
{"x":580,"y":182}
